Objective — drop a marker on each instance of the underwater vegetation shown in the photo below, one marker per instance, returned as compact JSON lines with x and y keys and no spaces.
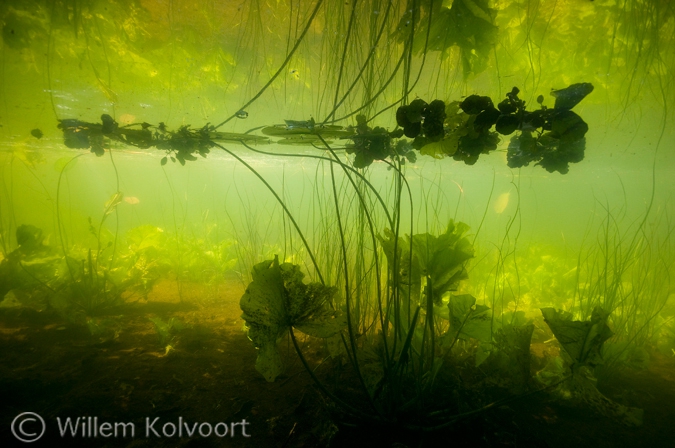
{"x":375,"y":286}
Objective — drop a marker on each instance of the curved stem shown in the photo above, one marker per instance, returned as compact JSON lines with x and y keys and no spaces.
{"x":283,"y":65}
{"x":343,"y":165}
{"x":343,"y":404}
{"x":283,"y":205}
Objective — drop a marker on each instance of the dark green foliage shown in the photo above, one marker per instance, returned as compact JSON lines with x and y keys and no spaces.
{"x":369,"y":144}
{"x":276,"y":300}
{"x":29,"y":267}
{"x":551,"y":138}
{"x":510,"y":357}
{"x":582,"y":341}
{"x":180,"y":145}
{"x":507,"y":124}
{"x":567,"y":98}
{"x":474,"y":143}
{"x":467,"y":320}
{"x":468,"y":25}
{"x":475,"y":104}
{"x":419,"y":118}
{"x":410,"y":117}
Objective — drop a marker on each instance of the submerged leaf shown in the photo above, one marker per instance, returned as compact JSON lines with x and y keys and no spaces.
{"x":112,"y":203}
{"x":581,"y":340}
{"x":442,"y":258}
{"x":467,"y":321}
{"x":276,"y":300}
{"x":567,"y":98}
{"x":265,"y":316}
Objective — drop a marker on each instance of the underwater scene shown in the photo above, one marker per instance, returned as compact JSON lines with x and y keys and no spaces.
{"x":322,"y":223}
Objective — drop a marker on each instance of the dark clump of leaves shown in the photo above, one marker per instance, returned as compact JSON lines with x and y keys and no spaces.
{"x":180,"y":145}
{"x":369,"y":144}
{"x":550,"y":137}
{"x":184,"y":143}
{"x":419,"y":118}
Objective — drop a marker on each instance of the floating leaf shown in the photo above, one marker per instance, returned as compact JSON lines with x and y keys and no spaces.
{"x":440,"y":149}
{"x":567,"y":98}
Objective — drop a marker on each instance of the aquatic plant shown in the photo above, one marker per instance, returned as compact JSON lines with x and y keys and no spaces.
{"x":396,"y":339}
{"x":167,"y":330}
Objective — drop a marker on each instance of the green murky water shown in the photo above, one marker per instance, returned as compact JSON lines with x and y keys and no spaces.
{"x":168,"y":165}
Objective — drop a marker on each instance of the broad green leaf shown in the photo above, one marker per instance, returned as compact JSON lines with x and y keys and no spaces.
{"x":478,"y":326}
{"x":467,"y":321}
{"x":265,"y":315}
{"x":482,"y":353}
{"x":443,"y":148}
{"x":269,"y":362}
{"x":143,"y":237}
{"x":477,"y":10}
{"x":582,"y":341}
{"x":276,"y":300}
{"x":442,"y":257}
{"x":510,"y":357}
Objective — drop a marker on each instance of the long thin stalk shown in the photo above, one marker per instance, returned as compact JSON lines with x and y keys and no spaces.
{"x":283,"y":205}
{"x":281,"y":68}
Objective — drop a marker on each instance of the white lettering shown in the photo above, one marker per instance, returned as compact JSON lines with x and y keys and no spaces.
{"x":216,"y":429}
{"x":210,"y":429}
{"x":124,"y":429}
{"x":173,"y":431}
{"x":189,"y":431}
{"x":105,"y":426}
{"x":68,"y":426}
{"x":149,"y":427}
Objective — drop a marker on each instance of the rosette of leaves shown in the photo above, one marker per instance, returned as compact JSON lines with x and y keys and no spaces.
{"x":440,"y":259}
{"x":82,"y":135}
{"x":369,"y":144}
{"x":552,"y":138}
{"x":79,"y":134}
{"x":183,"y":144}
{"x":277,"y":300}
{"x":561,"y":140}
